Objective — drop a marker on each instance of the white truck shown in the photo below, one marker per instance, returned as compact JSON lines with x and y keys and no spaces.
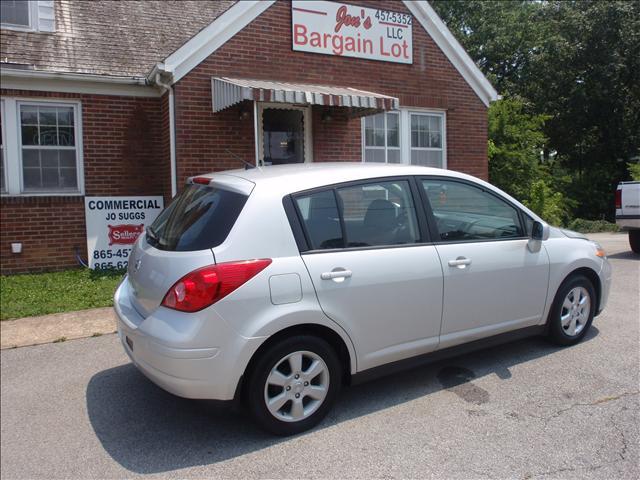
{"x":628,"y":211}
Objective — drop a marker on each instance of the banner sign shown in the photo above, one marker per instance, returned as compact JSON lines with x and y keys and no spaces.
{"x":351,"y":31}
{"x":113,"y":226}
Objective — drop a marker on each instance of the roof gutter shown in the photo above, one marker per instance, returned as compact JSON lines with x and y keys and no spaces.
{"x":168,"y":87}
{"x":29,"y":79}
{"x":84,"y":77}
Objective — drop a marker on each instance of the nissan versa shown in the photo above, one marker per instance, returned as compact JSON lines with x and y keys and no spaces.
{"x":277,"y":286}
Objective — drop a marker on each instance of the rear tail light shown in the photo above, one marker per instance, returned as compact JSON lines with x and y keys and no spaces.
{"x":618,"y":199}
{"x":207,"y":285}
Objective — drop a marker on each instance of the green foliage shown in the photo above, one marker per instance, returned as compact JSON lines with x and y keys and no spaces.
{"x":43,"y":293}
{"x":634,"y":170}
{"x":515,"y":142}
{"x":592,"y":226}
{"x":550,"y":205}
{"x":501,"y":36}
{"x":577,"y":64}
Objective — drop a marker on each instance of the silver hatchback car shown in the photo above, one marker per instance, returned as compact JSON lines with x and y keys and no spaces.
{"x":279,"y":285}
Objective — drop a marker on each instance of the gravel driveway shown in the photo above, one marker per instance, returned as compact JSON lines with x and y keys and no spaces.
{"x":524,"y":410}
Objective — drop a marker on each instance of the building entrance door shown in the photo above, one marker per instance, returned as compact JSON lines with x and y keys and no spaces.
{"x":285,"y":134}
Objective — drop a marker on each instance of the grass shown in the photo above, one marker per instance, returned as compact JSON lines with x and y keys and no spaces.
{"x":42,"y":293}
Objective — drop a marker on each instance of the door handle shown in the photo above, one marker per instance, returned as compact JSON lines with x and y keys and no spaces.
{"x":460,"y":262}
{"x":335,"y":274}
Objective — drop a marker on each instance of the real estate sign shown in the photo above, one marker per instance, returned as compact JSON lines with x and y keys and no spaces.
{"x":113,"y":226}
{"x":351,"y":31}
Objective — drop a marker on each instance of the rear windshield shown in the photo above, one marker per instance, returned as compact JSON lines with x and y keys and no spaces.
{"x":200,"y":217}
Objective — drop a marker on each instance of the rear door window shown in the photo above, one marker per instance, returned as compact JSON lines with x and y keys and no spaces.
{"x":377,"y":214}
{"x":364,"y":215}
{"x":319,"y":214}
{"x":201,"y":217}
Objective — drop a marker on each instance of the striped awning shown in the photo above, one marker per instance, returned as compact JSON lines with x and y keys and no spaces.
{"x":229,"y":91}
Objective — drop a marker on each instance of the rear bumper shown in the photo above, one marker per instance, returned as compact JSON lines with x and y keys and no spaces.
{"x":628,"y":222}
{"x":167,"y":347}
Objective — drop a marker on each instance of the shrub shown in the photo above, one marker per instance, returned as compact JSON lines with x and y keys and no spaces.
{"x":550,"y":205}
{"x":592,"y":226}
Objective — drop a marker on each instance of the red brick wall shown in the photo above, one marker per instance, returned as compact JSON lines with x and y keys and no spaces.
{"x":338,"y":139}
{"x":122,"y":156}
{"x":126,"y":140}
{"x":263,"y":51}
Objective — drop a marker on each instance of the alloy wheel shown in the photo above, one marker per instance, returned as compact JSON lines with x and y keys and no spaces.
{"x":296,"y":386}
{"x":575,"y":311}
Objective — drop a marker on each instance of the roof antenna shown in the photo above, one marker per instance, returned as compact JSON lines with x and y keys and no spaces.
{"x":247,"y":165}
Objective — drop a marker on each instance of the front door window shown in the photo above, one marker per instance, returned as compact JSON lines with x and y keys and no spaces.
{"x":283,"y":136}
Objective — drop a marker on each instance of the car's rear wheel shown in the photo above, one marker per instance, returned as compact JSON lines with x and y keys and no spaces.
{"x":572,"y":311}
{"x":634,"y":240}
{"x":293,"y":384}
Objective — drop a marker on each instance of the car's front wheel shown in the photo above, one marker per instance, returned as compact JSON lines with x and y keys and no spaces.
{"x":293,"y":384}
{"x":572,"y":311}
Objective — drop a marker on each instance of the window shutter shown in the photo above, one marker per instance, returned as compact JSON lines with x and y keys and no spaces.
{"x":46,"y":16}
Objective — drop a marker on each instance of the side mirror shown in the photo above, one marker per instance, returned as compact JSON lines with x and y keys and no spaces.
{"x":540,"y":231}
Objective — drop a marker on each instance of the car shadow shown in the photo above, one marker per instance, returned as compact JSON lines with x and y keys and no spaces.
{"x":628,"y":255}
{"x":147,"y":430}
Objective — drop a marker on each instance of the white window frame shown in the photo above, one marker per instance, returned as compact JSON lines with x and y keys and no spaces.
{"x":33,"y":20}
{"x":3,"y":148}
{"x":306,"y":119}
{"x":11,"y":127}
{"x":405,"y":133}
{"x":385,"y":147}
{"x":41,"y":18}
{"x":443,"y":148}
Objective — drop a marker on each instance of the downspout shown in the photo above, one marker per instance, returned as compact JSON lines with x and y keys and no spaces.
{"x":256,"y":143}
{"x":172,"y":134}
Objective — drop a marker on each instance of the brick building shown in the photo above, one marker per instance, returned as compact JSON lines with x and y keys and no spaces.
{"x":130,"y":98}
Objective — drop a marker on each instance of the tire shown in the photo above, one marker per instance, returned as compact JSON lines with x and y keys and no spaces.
{"x":568,"y":325}
{"x":273,"y":377}
{"x":634,"y":240}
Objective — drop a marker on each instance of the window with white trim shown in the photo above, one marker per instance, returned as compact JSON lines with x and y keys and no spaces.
{"x":3,"y":181}
{"x":381,"y":138}
{"x":415,"y":136}
{"x":42,"y":150}
{"x":15,"y":13}
{"x":426,"y":139}
{"x":48,"y":148}
{"x":28,"y":15}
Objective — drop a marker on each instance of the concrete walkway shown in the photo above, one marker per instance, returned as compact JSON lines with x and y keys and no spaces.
{"x":56,"y":327}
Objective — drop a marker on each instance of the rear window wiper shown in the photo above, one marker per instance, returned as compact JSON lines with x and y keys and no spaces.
{"x":151,"y":233}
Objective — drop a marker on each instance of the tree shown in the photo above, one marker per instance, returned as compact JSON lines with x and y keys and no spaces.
{"x":576,"y":62}
{"x":502,"y":37}
{"x":589,"y":81}
{"x":515,"y":142}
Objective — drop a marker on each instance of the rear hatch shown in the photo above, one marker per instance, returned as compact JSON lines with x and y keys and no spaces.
{"x":181,"y":239}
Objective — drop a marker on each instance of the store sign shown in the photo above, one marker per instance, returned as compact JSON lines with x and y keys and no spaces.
{"x":113,"y":226}
{"x":351,"y":31}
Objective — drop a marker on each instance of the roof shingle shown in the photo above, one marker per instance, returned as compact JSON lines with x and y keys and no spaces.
{"x":105,"y":37}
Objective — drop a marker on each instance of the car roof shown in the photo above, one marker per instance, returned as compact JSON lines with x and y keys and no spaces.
{"x":303,"y":176}
{"x":281,"y":180}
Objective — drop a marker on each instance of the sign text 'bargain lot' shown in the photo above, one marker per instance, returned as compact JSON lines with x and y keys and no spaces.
{"x":351,"y":31}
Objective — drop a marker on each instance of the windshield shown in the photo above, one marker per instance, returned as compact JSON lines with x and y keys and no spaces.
{"x":199,"y":218}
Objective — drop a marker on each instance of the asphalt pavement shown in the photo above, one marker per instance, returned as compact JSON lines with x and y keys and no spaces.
{"x":524,"y":410}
